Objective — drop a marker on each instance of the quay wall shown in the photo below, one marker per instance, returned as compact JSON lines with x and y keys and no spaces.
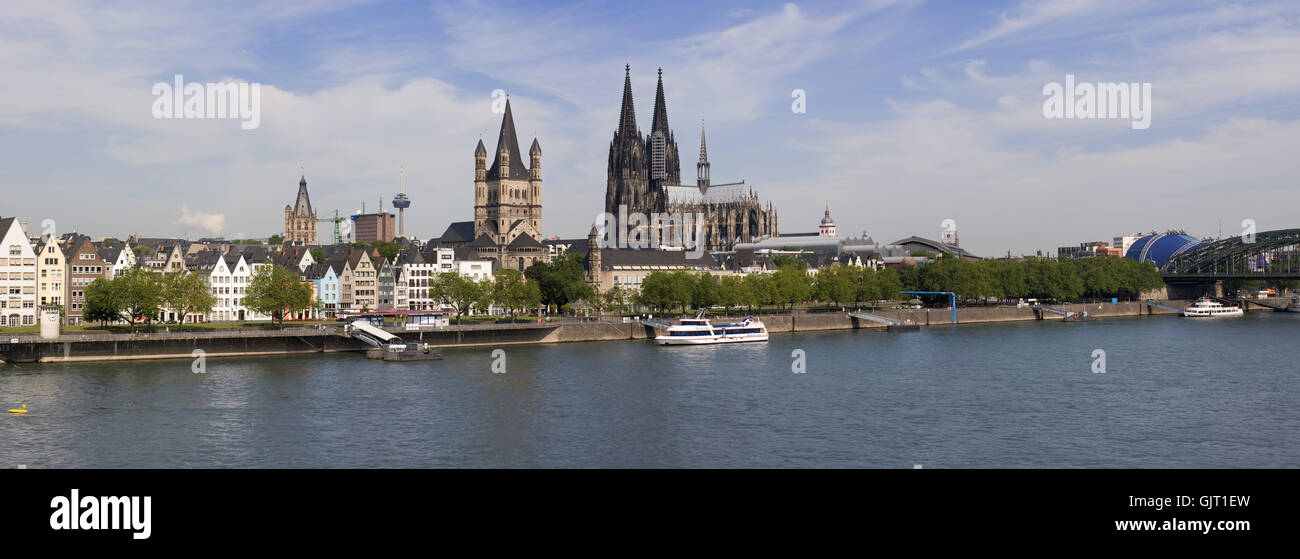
{"x":231,"y":344}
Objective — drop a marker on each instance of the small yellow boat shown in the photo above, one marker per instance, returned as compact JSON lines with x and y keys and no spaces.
{"x":23,"y":410}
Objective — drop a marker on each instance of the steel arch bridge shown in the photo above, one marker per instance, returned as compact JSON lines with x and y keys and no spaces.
{"x":1269,"y":255}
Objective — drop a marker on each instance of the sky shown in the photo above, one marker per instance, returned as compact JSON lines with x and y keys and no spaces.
{"x":915,"y":112}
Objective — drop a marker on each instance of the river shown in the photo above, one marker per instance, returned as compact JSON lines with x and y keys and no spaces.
{"x":1180,"y":393}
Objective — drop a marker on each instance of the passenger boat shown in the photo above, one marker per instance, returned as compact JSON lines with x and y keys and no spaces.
{"x":696,"y":331}
{"x":1294,"y":306}
{"x":1209,"y":308}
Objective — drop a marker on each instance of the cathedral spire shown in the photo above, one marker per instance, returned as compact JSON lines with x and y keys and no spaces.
{"x":627,"y":115}
{"x":660,"y":123}
{"x":702,"y":167}
{"x":704,"y":151}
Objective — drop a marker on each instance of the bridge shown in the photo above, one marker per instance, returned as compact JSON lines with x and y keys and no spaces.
{"x":1270,"y":255}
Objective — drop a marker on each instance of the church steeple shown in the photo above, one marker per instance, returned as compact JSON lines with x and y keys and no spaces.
{"x":660,"y":123}
{"x":702,"y":167}
{"x":627,"y":115}
{"x":508,"y":146}
{"x":302,"y":206}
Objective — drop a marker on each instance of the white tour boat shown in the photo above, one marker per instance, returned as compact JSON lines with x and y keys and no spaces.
{"x":694,"y":331}
{"x":1206,"y":307}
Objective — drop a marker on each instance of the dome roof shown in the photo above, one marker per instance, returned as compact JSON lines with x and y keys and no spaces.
{"x":827,"y":219}
{"x":1160,"y":248}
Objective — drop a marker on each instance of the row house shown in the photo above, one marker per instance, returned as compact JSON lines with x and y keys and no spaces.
{"x":401,"y":298}
{"x":51,"y":269}
{"x":359,"y":282}
{"x":17,"y":275}
{"x":84,"y":266}
{"x":325,"y":281}
{"x":386,"y":285}
{"x":164,"y":258}
{"x":418,"y":272}
{"x":117,"y":257}
{"x":228,"y":275}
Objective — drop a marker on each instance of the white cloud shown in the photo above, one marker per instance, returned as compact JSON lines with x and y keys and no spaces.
{"x":211,"y":223}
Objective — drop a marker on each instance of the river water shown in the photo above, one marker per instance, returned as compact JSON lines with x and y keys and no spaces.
{"x":1176,"y":392}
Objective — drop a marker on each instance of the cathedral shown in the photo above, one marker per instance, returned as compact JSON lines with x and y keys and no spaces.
{"x":508,"y":202}
{"x":300,"y":219}
{"x":644,"y":174}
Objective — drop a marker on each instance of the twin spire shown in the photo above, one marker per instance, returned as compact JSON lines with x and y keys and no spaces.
{"x":627,"y":114}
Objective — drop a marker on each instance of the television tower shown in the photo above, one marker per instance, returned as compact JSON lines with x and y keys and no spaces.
{"x":401,"y":202}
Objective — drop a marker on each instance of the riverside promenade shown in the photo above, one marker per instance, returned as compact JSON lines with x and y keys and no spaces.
{"x":81,"y":347}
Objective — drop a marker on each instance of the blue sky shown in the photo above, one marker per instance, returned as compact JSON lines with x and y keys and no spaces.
{"x":917,"y":111}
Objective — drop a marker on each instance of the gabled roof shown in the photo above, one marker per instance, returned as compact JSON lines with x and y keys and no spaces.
{"x":411,"y":256}
{"x":458,"y":232}
{"x":110,"y":254}
{"x":354,"y":257}
{"x":483,"y":241}
{"x":524,"y":241}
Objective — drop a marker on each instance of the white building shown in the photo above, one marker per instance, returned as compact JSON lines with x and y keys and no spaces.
{"x":117,"y":258}
{"x":476,"y":270}
{"x":50,"y":264}
{"x":229,"y":275}
{"x":17,"y":276}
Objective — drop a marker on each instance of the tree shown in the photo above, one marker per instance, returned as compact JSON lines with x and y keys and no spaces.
{"x":729,"y":292}
{"x":318,"y":255}
{"x":656,"y":290}
{"x":485,"y":299}
{"x":681,"y":289}
{"x":102,"y":304}
{"x":277,"y":291}
{"x":186,"y":293}
{"x":704,"y":292}
{"x":140,"y":251}
{"x":760,"y":289}
{"x":888,"y":285}
{"x":563,"y":280}
{"x":792,"y":285}
{"x":275,"y":240}
{"x":787,"y":260}
{"x":453,"y":289}
{"x":835,"y":284}
{"x":509,"y":291}
{"x":136,"y":294}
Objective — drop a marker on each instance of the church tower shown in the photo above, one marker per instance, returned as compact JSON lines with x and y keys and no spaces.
{"x":665,"y":167}
{"x":300,"y":219}
{"x":508,"y":200}
{"x":628,"y":164}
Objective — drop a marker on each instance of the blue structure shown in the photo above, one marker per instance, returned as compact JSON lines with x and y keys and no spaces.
{"x":1160,"y":248}
{"x":328,"y":286}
